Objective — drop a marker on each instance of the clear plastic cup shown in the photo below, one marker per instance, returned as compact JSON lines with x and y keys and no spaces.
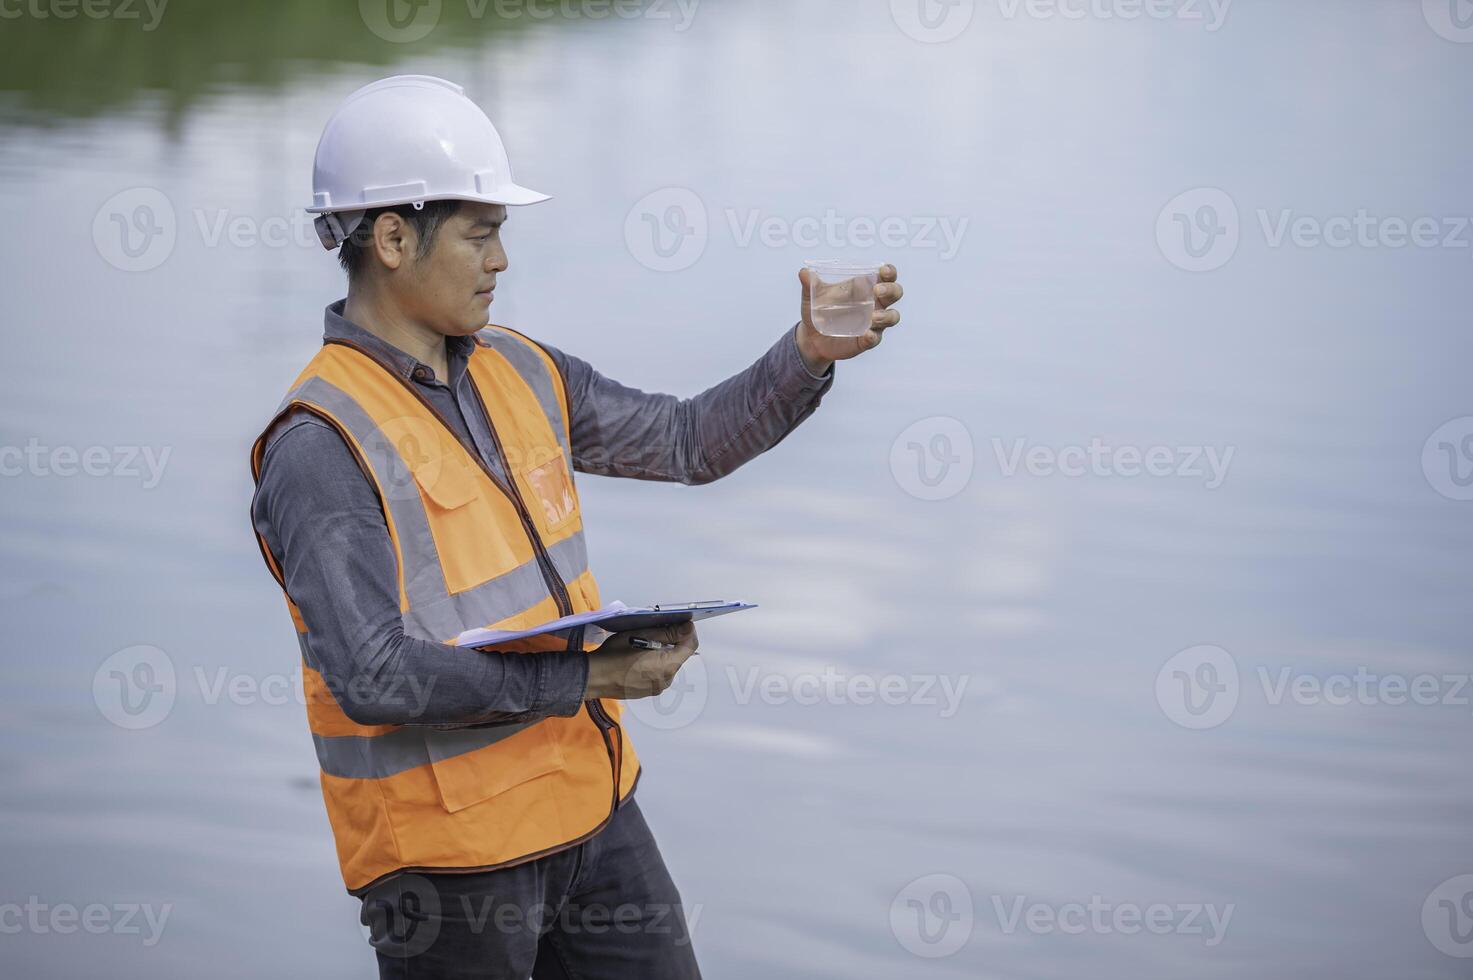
{"x":842,"y":296}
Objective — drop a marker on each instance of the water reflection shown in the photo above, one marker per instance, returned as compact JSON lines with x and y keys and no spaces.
{"x":1058,"y":321}
{"x":175,"y":54}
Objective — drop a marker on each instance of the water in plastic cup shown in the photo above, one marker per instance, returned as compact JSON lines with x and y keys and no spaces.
{"x":842,"y":297}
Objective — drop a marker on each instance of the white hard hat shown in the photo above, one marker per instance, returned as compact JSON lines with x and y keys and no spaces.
{"x":407,"y":139}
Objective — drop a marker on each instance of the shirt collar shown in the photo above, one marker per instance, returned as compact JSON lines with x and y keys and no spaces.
{"x":338,"y":327}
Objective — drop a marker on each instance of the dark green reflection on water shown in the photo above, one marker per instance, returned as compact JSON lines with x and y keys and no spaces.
{"x":178,"y":51}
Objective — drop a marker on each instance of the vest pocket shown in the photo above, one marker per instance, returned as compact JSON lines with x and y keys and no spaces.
{"x":461,"y":510}
{"x":553,"y":498}
{"x":466,"y":778}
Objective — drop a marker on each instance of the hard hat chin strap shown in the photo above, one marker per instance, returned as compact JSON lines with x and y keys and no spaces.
{"x":334,"y":228}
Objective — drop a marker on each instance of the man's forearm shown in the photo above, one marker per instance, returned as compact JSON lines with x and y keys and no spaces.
{"x":409,"y":681}
{"x":623,"y":431}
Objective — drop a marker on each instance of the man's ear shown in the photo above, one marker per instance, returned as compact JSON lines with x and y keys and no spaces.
{"x":393,"y":240}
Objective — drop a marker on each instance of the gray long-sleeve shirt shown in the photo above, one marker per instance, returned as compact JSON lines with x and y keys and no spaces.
{"x":323,"y":522}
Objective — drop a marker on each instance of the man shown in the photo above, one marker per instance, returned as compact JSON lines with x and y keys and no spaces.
{"x":417,"y":482}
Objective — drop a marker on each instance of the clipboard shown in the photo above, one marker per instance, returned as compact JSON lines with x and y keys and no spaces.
{"x":670,"y":614}
{"x":616,"y":617}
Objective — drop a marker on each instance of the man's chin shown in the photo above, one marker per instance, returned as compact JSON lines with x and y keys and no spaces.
{"x":473,"y":322}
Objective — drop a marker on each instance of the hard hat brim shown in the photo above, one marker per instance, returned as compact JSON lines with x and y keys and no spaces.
{"x":515,"y":195}
{"x":511,"y":195}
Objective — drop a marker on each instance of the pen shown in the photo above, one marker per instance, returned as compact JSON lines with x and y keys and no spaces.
{"x":643,"y":644}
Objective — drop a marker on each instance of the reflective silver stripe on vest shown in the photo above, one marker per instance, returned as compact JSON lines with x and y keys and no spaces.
{"x":534,"y":371}
{"x":522,"y":588}
{"x":424,"y":581}
{"x":569,"y":556}
{"x":377,"y":756}
{"x":434,"y":613}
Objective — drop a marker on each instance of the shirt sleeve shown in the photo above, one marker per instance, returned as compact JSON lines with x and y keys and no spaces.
{"x":323,"y":522}
{"x":622,"y":431}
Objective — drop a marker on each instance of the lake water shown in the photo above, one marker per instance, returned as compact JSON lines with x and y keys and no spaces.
{"x":1115,"y":612}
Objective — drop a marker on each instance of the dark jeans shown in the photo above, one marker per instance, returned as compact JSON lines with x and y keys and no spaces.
{"x":604,"y":910}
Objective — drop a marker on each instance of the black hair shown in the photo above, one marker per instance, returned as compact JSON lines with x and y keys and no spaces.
{"x":426,"y":222}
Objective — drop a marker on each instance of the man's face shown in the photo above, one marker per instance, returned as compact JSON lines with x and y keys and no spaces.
{"x":450,"y":289}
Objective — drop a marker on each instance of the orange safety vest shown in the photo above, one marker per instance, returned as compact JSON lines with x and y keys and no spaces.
{"x":471,"y":552}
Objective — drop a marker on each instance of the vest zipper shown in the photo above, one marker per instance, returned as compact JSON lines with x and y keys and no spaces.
{"x":549,"y":570}
{"x":607,"y":726}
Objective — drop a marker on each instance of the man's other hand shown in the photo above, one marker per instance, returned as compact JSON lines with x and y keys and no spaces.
{"x":622,"y":671}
